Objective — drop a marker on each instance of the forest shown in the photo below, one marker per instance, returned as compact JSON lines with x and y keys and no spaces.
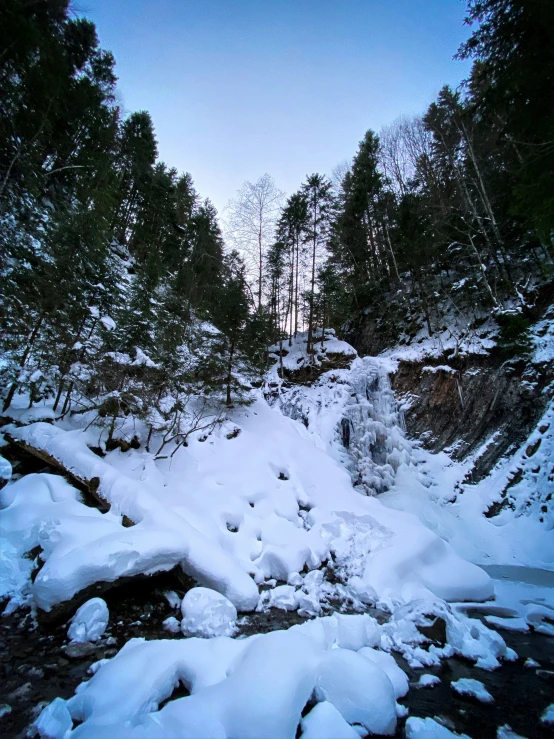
{"x":285,"y":471}
{"x":121,"y":294}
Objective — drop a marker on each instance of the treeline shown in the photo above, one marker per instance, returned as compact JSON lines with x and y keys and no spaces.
{"x":113,"y":269}
{"x":118,"y":297}
{"x":445,"y":216}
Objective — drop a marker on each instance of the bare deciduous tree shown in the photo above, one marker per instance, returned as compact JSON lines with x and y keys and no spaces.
{"x":402,"y":146}
{"x":250,"y":222}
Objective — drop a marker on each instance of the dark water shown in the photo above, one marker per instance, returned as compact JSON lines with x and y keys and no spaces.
{"x":514,"y":573}
{"x":521,"y":693}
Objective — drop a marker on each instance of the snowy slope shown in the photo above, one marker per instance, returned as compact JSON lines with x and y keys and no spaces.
{"x":283,"y":493}
{"x":266,"y":504}
{"x":353,"y":415}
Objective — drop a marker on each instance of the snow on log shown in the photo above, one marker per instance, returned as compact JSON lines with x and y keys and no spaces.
{"x":82,"y":549}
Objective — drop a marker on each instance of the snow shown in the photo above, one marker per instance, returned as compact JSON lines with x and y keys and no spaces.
{"x":252,"y":687}
{"x":54,"y":721}
{"x":295,"y":355}
{"x":207,"y":614}
{"x":90,"y":621}
{"x":428,"y":681}
{"x":428,"y":728}
{"x":84,"y":546}
{"x":222,"y":510}
{"x":388,"y":664}
{"x":284,"y":504}
{"x":172,"y":625}
{"x":505,"y":732}
{"x":473,"y":688}
{"x":547,"y":716}
{"x":173,"y":599}
{"x":324,"y":721}
{"x":359,"y":689}
{"x":5,"y":470}
{"x":107,"y":322}
{"x":524,"y":599}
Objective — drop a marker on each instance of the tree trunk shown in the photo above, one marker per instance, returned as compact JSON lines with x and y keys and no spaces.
{"x":24,"y":358}
{"x":230,"y":374}
{"x":261,"y":267}
{"x":312,"y":289}
{"x":296,"y":289}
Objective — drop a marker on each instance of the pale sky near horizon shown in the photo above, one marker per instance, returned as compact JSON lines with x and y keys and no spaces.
{"x":237,"y":88}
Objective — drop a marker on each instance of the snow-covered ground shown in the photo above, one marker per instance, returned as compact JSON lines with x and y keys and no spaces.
{"x":277,"y":495}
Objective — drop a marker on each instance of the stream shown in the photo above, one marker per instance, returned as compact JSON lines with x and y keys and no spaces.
{"x":35,"y":665}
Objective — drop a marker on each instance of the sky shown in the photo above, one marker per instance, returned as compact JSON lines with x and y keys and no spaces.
{"x":237,"y":88}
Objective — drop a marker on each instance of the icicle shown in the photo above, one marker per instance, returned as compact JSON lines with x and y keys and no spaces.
{"x":376,"y":431}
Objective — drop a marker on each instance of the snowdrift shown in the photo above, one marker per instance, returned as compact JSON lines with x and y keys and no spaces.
{"x":264,"y":505}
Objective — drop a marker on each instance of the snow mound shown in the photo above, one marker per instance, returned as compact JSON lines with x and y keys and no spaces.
{"x":207,"y":614}
{"x":428,"y":728}
{"x":428,"y":681}
{"x":90,"y":621}
{"x":464,"y":636}
{"x":473,"y":688}
{"x":54,"y":721}
{"x":547,"y":716}
{"x":359,"y":689}
{"x":81,"y":548}
{"x":505,"y":732}
{"x":325,"y":722}
{"x":388,"y":664}
{"x":253,"y":687}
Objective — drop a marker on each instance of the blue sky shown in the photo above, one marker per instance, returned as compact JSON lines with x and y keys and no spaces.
{"x":237,"y":88}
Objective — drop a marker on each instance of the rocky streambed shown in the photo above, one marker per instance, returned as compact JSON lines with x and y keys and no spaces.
{"x":37,"y":665}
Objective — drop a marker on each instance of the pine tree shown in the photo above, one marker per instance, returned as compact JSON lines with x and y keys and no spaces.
{"x":319,"y":198}
{"x":291,"y":226}
{"x":514,"y":74}
{"x":231,"y":316}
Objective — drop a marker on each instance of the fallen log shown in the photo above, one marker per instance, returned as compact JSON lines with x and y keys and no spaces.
{"x":161,"y":538}
{"x":174,"y":579}
{"x":91,"y":486}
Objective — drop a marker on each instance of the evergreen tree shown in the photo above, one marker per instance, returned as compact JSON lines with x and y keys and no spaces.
{"x":514,"y":76}
{"x":291,"y":227}
{"x":319,"y":202}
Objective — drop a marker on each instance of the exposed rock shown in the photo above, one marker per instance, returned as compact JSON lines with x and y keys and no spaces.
{"x":78,"y":650}
{"x":436,"y":631}
{"x":309,"y":373}
{"x":457,"y":404}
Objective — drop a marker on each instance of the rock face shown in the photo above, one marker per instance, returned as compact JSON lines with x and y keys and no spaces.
{"x":460,"y":404}
{"x":370,"y":336}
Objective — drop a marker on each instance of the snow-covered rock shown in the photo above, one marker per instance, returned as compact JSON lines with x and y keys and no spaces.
{"x":359,"y":689}
{"x":428,"y":681}
{"x":89,"y":622}
{"x":54,"y":721}
{"x":207,"y":614}
{"x":5,"y":471}
{"x":428,"y":728}
{"x":506,"y":732}
{"x":172,"y":624}
{"x":325,"y":722}
{"x":387,"y":663}
{"x":473,"y":688}
{"x":547,"y":717}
